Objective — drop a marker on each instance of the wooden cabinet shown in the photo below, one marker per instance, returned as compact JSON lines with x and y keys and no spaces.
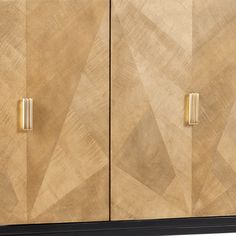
{"x":161,"y":51}
{"x":55,"y":51}
{"x":117,"y":146}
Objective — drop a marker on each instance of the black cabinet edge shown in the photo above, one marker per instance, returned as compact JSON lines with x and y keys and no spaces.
{"x":195,"y":225}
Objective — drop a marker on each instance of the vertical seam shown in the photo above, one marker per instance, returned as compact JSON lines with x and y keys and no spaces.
{"x":26,"y":94}
{"x":110,"y":184}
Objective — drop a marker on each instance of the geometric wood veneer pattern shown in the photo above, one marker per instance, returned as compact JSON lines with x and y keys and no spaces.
{"x":214,"y":77}
{"x":151,"y":73}
{"x":57,"y":53}
{"x":162,"y":50}
{"x":13,"y":202}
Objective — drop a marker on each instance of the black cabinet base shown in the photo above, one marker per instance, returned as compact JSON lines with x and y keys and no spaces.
{"x":129,"y":228}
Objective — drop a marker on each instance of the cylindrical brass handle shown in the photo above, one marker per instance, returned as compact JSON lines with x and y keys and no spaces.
{"x":26,"y":116}
{"x":192,"y":109}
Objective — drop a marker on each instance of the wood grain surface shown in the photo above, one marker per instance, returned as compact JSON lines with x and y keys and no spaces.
{"x":214,"y":77}
{"x":55,"y":51}
{"x":162,"y":50}
{"x":67,"y":55}
{"x":151,"y":73}
{"x":13,"y":160}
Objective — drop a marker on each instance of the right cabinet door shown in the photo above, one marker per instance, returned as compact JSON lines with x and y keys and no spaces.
{"x":214,"y":77}
{"x":161,"y":51}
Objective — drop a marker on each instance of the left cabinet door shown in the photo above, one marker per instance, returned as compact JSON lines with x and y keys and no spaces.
{"x":13,"y":162}
{"x":56,"y":52}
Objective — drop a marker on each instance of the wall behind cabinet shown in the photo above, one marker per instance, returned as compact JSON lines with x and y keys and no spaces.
{"x":55,"y":51}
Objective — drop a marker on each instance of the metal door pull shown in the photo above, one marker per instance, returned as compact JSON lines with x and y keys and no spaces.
{"x":26,"y":114}
{"x":192,"y":109}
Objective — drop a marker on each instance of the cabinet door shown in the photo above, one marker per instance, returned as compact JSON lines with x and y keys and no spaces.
{"x":13,"y":161}
{"x":162,"y":50}
{"x":55,"y":51}
{"x":214,"y":76}
{"x":151,"y":73}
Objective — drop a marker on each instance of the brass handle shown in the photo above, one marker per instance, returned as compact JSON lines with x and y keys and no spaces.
{"x":26,"y":114}
{"x":192,"y":109}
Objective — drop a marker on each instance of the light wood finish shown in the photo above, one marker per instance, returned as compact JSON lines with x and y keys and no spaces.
{"x":162,"y":50}
{"x":12,"y":87}
{"x":57,"y":50}
{"x":214,"y":77}
{"x":67,"y":55}
{"x":151,"y":73}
